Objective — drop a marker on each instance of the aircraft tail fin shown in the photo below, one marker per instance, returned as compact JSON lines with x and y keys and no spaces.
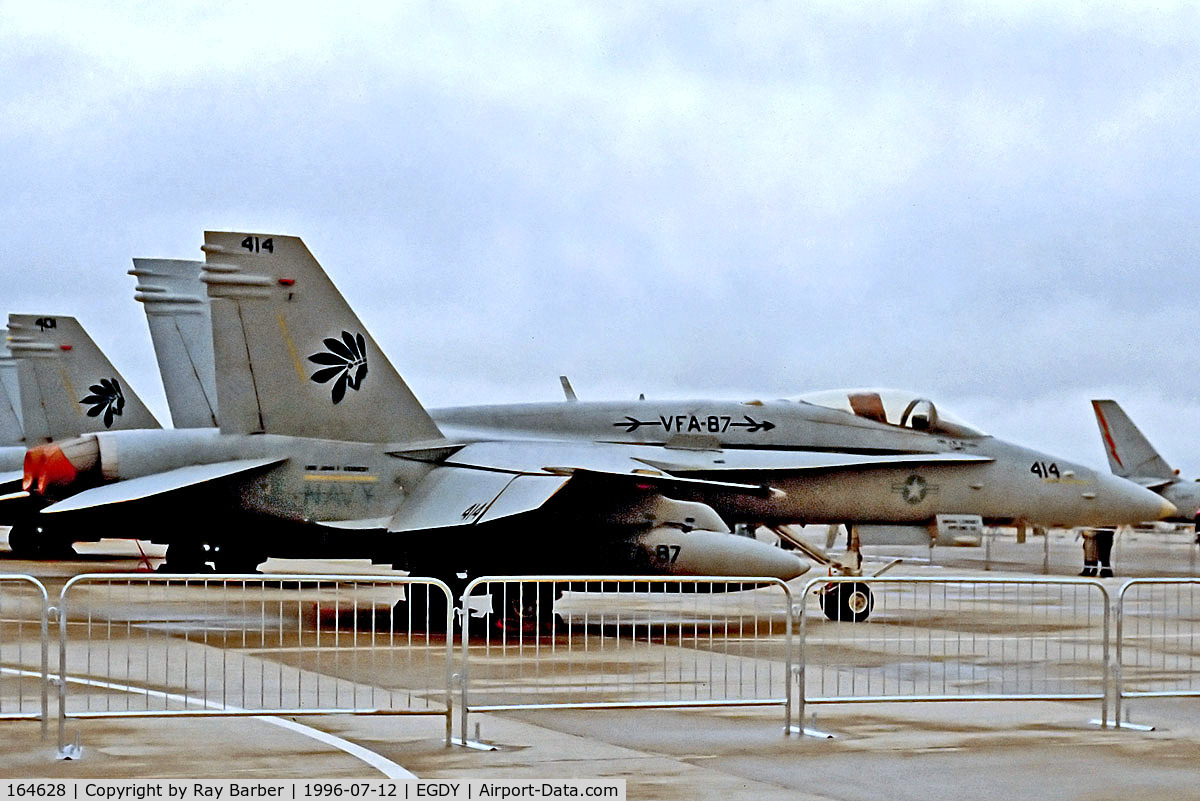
{"x":181,"y":329}
{"x":11,"y":431}
{"x":291,"y":356}
{"x":1130,"y":454}
{"x":68,"y":386}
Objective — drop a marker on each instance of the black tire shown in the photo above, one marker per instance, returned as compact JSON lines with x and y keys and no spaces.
{"x":526,"y":607}
{"x":24,"y":542}
{"x":850,"y":602}
{"x":186,"y":557}
{"x":29,"y":541}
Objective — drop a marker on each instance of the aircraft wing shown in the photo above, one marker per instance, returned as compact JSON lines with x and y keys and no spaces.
{"x":486,"y":481}
{"x":1154,"y":484}
{"x":456,"y":496}
{"x":159,"y":484}
{"x":586,"y":460}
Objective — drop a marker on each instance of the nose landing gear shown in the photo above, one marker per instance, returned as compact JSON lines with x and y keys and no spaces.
{"x":848,"y":601}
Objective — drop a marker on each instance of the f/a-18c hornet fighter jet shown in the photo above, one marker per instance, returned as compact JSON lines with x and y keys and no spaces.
{"x":889,"y":459}
{"x":884,"y":457}
{"x":323,"y":449}
{"x":1131,"y":456}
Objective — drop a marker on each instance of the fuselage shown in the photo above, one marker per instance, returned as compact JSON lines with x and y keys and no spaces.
{"x":306,"y":496}
{"x":1185,"y":495}
{"x":1007,"y":483}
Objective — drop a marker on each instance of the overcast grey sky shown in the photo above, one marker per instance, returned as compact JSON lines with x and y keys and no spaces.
{"x":993,"y":203}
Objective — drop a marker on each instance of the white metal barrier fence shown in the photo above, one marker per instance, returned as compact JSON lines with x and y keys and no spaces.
{"x":620,"y":642}
{"x":24,"y":647}
{"x":151,"y":645}
{"x":952,"y":639}
{"x":161,"y":645}
{"x":1158,"y":640}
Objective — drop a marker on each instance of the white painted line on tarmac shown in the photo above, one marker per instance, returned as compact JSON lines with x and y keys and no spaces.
{"x":379,"y":762}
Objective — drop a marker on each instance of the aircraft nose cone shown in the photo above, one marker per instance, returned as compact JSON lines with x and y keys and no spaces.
{"x":1130,"y":503}
{"x":1168,"y":509}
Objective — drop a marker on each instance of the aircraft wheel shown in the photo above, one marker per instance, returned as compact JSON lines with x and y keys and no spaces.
{"x":186,"y":557}
{"x":29,"y":541}
{"x":849,"y":601}
{"x":25,"y":541}
{"x":527,"y":607}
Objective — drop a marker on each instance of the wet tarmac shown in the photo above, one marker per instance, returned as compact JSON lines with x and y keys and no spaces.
{"x":980,"y":749}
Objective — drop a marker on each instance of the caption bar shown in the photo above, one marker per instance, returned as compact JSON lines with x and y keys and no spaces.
{"x":293,"y":789}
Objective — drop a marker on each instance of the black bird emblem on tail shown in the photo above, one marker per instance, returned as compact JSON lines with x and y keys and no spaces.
{"x":347,"y":362}
{"x":106,"y":397}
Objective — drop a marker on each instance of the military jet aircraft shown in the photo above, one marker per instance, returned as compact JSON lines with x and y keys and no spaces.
{"x":64,"y":386}
{"x":845,"y":456}
{"x":883,"y":462}
{"x":1131,"y":456}
{"x":322,"y":446}
{"x":886,"y":458}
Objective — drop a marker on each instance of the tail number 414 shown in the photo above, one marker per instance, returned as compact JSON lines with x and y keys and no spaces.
{"x":256,"y":245}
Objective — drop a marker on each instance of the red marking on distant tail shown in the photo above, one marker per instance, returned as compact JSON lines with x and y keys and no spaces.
{"x":1112,"y":446}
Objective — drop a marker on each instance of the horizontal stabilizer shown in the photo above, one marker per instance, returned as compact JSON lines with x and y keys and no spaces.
{"x":362,"y":524}
{"x":135,"y":489}
{"x":457,"y":496}
{"x":11,"y":481}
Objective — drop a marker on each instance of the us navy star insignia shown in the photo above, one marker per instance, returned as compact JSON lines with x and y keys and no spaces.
{"x":914,"y":489}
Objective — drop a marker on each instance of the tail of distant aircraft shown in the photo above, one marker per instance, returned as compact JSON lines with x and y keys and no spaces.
{"x":181,"y":329}
{"x":1130,"y":454}
{"x":68,"y":386}
{"x":291,"y":356}
{"x":11,"y":431}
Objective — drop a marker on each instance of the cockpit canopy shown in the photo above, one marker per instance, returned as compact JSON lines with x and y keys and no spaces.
{"x":895,"y":407}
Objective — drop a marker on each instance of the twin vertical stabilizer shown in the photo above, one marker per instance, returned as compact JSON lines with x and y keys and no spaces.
{"x":291,"y":356}
{"x":181,"y":330}
{"x":68,"y":386}
{"x":1130,"y":454}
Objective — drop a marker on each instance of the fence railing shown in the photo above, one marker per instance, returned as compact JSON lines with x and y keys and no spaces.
{"x":139,"y":645}
{"x":593,"y":642}
{"x":1158,"y":640}
{"x":143,"y":645}
{"x":24,"y":649}
{"x":952,"y":639}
